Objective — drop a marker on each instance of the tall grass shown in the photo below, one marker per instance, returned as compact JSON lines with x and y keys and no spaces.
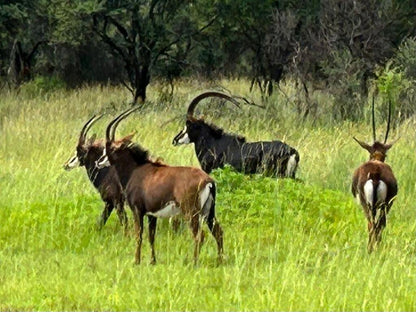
{"x":289,"y":245}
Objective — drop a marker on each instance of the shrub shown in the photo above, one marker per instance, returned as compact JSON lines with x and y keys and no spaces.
{"x":41,"y":85}
{"x":397,"y":80}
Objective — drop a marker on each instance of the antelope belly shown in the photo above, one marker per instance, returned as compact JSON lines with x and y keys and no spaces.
{"x":171,"y":209}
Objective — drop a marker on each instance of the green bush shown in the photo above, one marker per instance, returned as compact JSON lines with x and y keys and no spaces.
{"x":41,"y":85}
{"x":345,"y":76}
{"x":397,"y":80}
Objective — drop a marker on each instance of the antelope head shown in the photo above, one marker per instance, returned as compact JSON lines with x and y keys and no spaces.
{"x":83,"y":146}
{"x":378,"y":150}
{"x":193,"y":125}
{"x":113,"y":149}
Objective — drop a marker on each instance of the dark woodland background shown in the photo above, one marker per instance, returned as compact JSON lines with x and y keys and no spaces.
{"x":349,"y":50}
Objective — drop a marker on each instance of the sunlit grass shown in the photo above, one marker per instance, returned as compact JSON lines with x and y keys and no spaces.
{"x":289,"y":245}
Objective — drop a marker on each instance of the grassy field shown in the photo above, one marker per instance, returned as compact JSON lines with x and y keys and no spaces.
{"x":289,"y":245}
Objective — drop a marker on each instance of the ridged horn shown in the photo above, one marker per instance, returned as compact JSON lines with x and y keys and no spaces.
{"x":199,"y":98}
{"x":373,"y":121}
{"x":111,"y":128}
{"x":87,"y":127}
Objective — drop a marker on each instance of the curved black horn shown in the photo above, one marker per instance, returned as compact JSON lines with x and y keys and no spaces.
{"x":373,"y":121}
{"x":388,"y":122}
{"x":87,"y":127}
{"x":204,"y":95}
{"x":111,"y":128}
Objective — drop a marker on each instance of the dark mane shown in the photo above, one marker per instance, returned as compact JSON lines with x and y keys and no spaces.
{"x":157,"y":162}
{"x":218,"y":132}
{"x":140,"y":155}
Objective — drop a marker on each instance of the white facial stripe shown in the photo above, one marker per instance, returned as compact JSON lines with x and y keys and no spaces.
{"x":184,"y":139}
{"x":103,"y":161}
{"x":72,"y":163}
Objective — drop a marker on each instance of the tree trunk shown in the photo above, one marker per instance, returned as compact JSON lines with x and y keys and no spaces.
{"x":21,"y":63}
{"x":141,"y":83}
{"x":17,"y":69}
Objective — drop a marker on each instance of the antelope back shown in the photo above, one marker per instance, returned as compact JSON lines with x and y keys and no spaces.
{"x":374,"y":183}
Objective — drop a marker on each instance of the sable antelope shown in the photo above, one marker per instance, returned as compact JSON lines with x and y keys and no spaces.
{"x":158,"y":190}
{"x":105,"y":180}
{"x":215,"y":148}
{"x":374,"y":185}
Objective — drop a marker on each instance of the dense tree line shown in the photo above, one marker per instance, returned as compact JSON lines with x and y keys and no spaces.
{"x":335,"y":45}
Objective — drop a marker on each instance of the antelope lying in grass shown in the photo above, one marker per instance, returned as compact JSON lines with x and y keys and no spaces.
{"x":374,"y":186}
{"x":158,"y":190}
{"x":215,"y":148}
{"x":105,"y":180}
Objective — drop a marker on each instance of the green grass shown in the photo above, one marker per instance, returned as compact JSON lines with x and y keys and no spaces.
{"x":289,"y":245}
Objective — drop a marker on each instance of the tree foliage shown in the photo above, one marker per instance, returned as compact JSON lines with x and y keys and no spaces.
{"x":335,"y":45}
{"x":23,"y":28}
{"x":145,"y":35}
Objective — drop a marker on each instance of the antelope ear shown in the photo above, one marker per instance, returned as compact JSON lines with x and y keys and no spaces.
{"x":129,"y":137}
{"x":388,"y":146}
{"x":92,"y":139}
{"x":363,"y":145}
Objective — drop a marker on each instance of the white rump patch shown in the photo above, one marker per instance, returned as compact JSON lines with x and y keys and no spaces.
{"x":171,"y":209}
{"x":291,"y":165}
{"x":369,"y":190}
{"x":184,"y":139}
{"x":205,"y":200}
{"x":381,"y":192}
{"x":72,"y":163}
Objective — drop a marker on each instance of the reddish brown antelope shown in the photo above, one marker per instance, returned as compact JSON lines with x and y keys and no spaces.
{"x":158,"y":190}
{"x":105,"y":180}
{"x":374,"y":185}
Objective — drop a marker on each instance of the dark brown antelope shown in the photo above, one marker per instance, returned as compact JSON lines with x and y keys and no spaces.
{"x":158,"y":190}
{"x":215,"y":148}
{"x":105,"y":180}
{"x":374,"y":185}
